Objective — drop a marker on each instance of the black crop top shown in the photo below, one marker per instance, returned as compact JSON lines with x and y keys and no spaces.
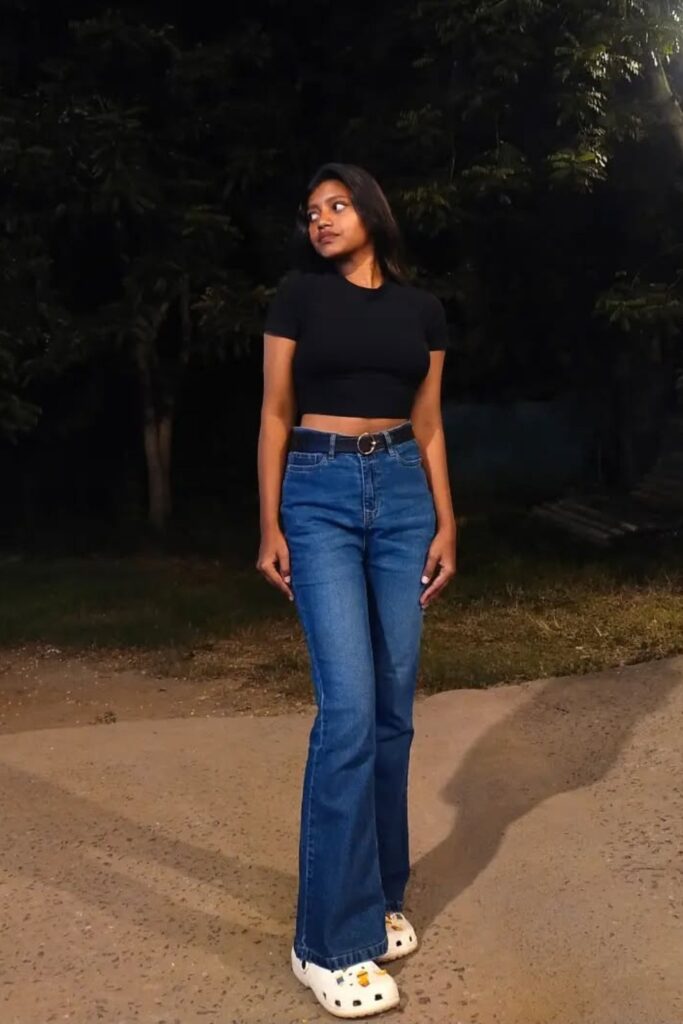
{"x":360,"y":351}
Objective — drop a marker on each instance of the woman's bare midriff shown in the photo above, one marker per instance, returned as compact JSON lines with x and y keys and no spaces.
{"x":348,"y":424}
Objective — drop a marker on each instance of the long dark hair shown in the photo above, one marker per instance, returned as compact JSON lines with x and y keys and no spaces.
{"x":373,"y":209}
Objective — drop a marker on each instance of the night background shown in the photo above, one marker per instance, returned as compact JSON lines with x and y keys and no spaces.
{"x":152,"y":159}
{"x":155,"y":691}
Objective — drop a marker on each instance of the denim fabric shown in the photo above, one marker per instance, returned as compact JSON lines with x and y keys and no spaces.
{"x":358,"y":529}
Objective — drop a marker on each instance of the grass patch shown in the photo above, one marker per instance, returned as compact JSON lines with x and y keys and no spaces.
{"x":135,"y":602}
{"x":527,"y":602}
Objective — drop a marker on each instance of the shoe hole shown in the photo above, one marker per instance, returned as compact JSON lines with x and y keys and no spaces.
{"x":399,"y":943}
{"x":337,"y":1002}
{"x":303,"y":964}
{"x":378,"y":996}
{"x":356,"y":1002}
{"x":324,"y":995}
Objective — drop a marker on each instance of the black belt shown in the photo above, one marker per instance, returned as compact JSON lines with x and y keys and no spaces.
{"x":365,"y":443}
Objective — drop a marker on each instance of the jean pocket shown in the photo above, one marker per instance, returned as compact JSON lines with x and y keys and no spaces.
{"x":301,"y":462}
{"x":408,"y":453}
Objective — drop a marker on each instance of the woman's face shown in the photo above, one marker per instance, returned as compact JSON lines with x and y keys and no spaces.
{"x":334,"y":227}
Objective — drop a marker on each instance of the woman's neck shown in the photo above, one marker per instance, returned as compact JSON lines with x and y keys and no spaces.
{"x":362,"y":269}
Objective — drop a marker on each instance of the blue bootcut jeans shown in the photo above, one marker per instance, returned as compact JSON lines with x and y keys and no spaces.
{"x":358,"y":528}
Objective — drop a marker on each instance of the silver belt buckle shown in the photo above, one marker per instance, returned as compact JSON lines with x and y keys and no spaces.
{"x":373,"y":441}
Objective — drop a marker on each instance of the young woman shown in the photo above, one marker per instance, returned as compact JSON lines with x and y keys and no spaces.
{"x":367,"y":542}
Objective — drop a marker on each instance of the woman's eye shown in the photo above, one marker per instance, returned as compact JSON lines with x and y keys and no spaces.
{"x":337,"y":206}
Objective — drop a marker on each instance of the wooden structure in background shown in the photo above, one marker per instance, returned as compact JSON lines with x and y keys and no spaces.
{"x":654,"y":506}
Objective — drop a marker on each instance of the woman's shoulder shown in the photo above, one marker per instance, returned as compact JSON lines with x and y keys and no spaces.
{"x":291,"y":303}
{"x":422,"y":297}
{"x":431,"y":312}
{"x":300,"y":285}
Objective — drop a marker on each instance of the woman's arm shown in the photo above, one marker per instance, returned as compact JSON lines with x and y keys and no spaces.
{"x":428,"y":427}
{"x":278,"y":413}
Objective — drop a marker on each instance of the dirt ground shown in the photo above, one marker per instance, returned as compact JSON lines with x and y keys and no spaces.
{"x":148,"y":869}
{"x":42,"y":688}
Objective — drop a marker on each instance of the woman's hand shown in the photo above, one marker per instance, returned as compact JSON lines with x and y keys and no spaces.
{"x":441,"y":554}
{"x":273,"y":560}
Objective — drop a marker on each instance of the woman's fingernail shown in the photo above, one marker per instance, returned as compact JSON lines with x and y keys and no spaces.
{"x":287,"y":579}
{"x":425,"y":579}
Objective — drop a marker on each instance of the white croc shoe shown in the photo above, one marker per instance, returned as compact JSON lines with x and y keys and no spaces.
{"x":401,"y":935}
{"x":357,"y":991}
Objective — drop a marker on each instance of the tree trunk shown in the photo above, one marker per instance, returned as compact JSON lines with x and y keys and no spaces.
{"x":159,"y":380}
{"x":157,"y":413}
{"x":165,"y":435}
{"x":667,"y":107}
{"x":157,"y":455}
{"x":157,"y":432}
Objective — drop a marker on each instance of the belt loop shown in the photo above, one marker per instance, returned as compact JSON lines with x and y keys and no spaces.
{"x":387,"y":439}
{"x":330,"y":452}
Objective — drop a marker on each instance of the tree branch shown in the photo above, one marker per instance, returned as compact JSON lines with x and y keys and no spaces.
{"x":667,"y":107}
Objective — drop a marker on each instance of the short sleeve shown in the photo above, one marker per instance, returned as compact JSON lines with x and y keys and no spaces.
{"x":283,"y":316}
{"x":436,"y":329}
